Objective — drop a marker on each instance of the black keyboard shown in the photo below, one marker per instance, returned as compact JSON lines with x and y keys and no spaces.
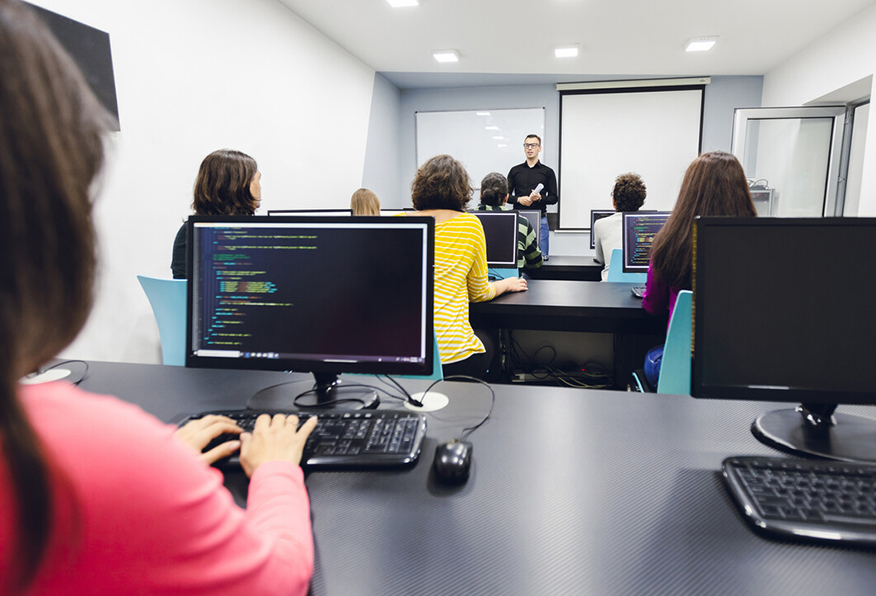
{"x":344,"y":439}
{"x":810,"y":499}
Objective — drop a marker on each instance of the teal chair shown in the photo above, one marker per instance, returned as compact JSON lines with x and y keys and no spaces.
{"x":675,"y":365}
{"x":616,"y":270}
{"x":168,"y":300}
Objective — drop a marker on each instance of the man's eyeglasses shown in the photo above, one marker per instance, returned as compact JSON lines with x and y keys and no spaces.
{"x":530,"y":145}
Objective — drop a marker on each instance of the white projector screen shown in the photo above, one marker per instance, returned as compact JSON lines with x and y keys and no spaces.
{"x":483,"y":141}
{"x":654,"y":133}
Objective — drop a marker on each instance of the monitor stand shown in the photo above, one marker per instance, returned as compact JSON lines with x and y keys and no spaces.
{"x":327,"y":392}
{"x":815,"y":430}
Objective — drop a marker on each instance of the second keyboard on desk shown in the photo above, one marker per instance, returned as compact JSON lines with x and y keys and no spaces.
{"x":344,"y":439}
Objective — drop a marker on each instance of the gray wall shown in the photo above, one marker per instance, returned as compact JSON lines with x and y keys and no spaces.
{"x":382,"y":164}
{"x":723,"y":95}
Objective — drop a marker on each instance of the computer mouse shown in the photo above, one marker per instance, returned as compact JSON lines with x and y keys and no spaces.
{"x":452,"y":462}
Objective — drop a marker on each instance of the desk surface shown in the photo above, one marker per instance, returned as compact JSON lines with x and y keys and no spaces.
{"x":594,"y":504}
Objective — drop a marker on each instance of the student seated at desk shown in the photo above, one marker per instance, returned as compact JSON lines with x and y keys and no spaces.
{"x":628,"y":194}
{"x":365,"y":202}
{"x":714,"y":185}
{"x":441,"y":189}
{"x":229,"y":183}
{"x":494,"y":195}
{"x":97,"y":497}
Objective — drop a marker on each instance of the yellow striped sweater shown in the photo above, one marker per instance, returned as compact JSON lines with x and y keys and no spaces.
{"x":460,"y":278}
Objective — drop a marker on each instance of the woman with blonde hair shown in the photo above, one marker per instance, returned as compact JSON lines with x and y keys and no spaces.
{"x":365,"y":202}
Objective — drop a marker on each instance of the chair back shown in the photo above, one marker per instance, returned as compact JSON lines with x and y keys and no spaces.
{"x":616,"y":270}
{"x":168,"y":300}
{"x":675,"y":365}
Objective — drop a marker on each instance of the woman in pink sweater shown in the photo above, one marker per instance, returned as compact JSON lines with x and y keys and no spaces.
{"x":97,"y":497}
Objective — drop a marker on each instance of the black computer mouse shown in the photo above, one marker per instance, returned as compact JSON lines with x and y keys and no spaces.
{"x":452,"y":462}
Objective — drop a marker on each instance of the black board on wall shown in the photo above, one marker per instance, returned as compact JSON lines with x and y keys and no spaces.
{"x":90,"y":49}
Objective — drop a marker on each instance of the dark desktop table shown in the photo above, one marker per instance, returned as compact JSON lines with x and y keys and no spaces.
{"x":572,"y":492}
{"x":567,"y":267}
{"x":584,"y":306}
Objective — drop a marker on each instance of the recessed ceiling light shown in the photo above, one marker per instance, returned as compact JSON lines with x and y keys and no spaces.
{"x":700,"y":44}
{"x":403,"y":3}
{"x":492,"y":128}
{"x":446,"y":55}
{"x":566,"y":51}
{"x":482,"y":113}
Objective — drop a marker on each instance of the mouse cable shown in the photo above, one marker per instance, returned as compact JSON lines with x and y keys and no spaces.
{"x":466,"y":432}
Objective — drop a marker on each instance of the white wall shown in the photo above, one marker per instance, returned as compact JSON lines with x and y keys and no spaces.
{"x":192,"y":77}
{"x":842,"y":57}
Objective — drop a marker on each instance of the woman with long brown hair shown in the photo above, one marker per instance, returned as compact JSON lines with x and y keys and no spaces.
{"x":97,"y":497}
{"x":714,"y":185}
{"x":228,"y":183}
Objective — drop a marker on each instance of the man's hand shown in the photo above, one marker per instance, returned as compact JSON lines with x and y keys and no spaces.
{"x":534,"y":197}
{"x":527,"y":201}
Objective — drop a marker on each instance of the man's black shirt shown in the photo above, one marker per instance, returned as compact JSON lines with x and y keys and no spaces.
{"x":522,"y":180}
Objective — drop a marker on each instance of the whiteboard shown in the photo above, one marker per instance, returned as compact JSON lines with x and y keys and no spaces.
{"x":655,"y":134}
{"x":483,"y":140}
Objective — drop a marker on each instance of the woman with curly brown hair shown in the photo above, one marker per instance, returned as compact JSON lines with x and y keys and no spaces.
{"x":441,"y":189}
{"x":628,"y":194}
{"x":229,"y":183}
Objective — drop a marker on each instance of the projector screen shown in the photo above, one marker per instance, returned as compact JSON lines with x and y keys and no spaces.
{"x":654,"y":132}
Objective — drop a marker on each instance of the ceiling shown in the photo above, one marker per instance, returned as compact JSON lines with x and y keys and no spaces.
{"x":509,"y":38}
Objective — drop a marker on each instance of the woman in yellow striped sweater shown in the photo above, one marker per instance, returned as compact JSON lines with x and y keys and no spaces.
{"x":441,"y":189}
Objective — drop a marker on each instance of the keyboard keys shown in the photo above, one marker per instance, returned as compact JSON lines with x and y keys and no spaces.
{"x":376,"y":438}
{"x":802,"y":498}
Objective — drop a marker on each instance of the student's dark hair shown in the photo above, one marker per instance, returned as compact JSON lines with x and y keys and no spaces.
{"x":51,"y":149}
{"x":365,"y":202}
{"x":714,"y":185}
{"x":533,"y":137}
{"x":223,"y":184}
{"x":441,"y":183}
{"x":494,"y":189}
{"x":629,"y":192}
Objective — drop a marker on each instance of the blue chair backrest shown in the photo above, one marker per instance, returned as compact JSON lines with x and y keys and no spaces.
{"x":616,"y":270}
{"x":168,"y":300}
{"x":675,"y":365}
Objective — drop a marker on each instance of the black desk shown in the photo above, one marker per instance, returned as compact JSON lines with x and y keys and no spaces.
{"x":597,"y":307}
{"x":567,"y":267}
{"x":618,"y":493}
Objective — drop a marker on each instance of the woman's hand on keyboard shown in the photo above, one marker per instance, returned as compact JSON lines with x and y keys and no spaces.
{"x":198,"y":433}
{"x":272,"y":439}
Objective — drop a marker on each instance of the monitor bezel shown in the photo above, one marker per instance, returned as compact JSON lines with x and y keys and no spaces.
{"x":536,"y":227}
{"x":501,"y":213}
{"x":627,"y":268}
{"x":310,"y":212}
{"x":424,"y":368}
{"x":593,"y":213}
{"x":700,"y":277}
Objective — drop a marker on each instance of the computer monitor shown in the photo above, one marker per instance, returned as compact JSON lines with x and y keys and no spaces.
{"x":639,"y":229}
{"x":596,"y":215}
{"x":311,"y":212}
{"x":534,"y":217}
{"x":311,"y":294}
{"x":784,"y":312}
{"x":500,"y":230}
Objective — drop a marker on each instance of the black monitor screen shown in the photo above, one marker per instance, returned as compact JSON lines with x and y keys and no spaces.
{"x":500,"y":230}
{"x":784,"y":309}
{"x":596,"y":215}
{"x":311,"y":294}
{"x":639,"y":229}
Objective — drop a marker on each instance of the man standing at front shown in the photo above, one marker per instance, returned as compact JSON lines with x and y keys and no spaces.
{"x":524,"y":179}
